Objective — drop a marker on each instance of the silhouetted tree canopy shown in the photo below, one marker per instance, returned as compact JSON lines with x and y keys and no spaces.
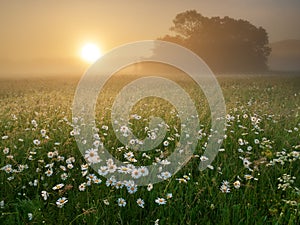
{"x":225,"y":44}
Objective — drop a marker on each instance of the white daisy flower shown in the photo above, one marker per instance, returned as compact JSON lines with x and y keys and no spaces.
{"x":61,"y":202}
{"x":121,"y":202}
{"x":160,"y":201}
{"x":58,"y":186}
{"x":136,"y":173}
{"x":140,"y":202}
{"x":237,"y":184}
{"x":45,"y":195}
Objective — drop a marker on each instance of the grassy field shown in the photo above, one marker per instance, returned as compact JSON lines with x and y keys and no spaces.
{"x":253,"y":180}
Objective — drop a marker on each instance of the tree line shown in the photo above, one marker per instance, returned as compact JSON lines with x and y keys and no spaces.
{"x":225,"y":44}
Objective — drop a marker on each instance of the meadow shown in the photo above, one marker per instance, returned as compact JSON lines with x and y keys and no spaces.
{"x":253,"y":180}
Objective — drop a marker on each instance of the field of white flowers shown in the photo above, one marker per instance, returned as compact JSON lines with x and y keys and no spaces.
{"x":253,"y":180}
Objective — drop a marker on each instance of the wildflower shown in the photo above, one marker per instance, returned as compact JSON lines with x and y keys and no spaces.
{"x":132,"y":160}
{"x":160,"y":201}
{"x":50,"y":155}
{"x":61,"y":202}
{"x":124,"y":169}
{"x":253,"y":119}
{"x":97,"y":180}
{"x":203,"y":158}
{"x":36,"y":142}
{"x":4,"y":137}
{"x":152,"y":135}
{"x":121,"y":202}
{"x":60,"y":158}
{"x":295,"y":154}
{"x":106,"y":202}
{"x":43,"y":132}
{"x":89,"y":182}
{"x":96,"y":136}
{"x":146,"y":156}
{"x":186,"y":177}
{"x":45,"y":195}
{"x":128,"y":155}
{"x":111,"y":168}
{"x":119,"y":184}
{"x":150,"y":187}
{"x":91,"y":177}
{"x":10,"y":156}
{"x":34,"y":123}
{"x":169,"y":195}
{"x":228,"y":117}
{"x":84,"y":167}
{"x":103,"y":170}
{"x":130,"y":167}
{"x":286,"y":181}
{"x":63,"y":168}
{"x":181,"y":180}
{"x":164,"y":162}
{"x":82,"y":187}
{"x":109,"y":162}
{"x":64,"y":176}
{"x":165,"y":175}
{"x":136,"y":173}
{"x":210,"y":167}
{"x":132,"y":142}
{"x":72,"y":133}
{"x":70,"y":166}
{"x":104,"y":127}
{"x":166,"y":143}
{"x":70,"y":160}
{"x":144,"y":171}
{"x":240,"y":141}
{"x":6,"y":151}
{"x":7,"y":168}
{"x":137,"y":117}
{"x":49,"y":172}
{"x":225,"y":187}
{"x":29,"y":216}
{"x":22,"y":167}
{"x":131,"y":188}
{"x":2,"y":204}
{"x":92,"y":156}
{"x":246,"y":163}
{"x":111,"y":181}
{"x":124,"y":130}
{"x":58,"y":186}
{"x":248,"y":176}
{"x":140,"y":202}
{"x":237,"y":184}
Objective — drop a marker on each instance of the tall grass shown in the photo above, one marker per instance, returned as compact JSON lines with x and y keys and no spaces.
{"x":253,"y":180}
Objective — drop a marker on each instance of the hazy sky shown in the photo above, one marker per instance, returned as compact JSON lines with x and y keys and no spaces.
{"x":33,"y":29}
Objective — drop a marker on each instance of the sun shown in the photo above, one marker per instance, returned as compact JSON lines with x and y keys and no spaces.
{"x":90,"y":52}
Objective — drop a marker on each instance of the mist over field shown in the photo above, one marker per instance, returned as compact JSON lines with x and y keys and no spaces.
{"x":202,"y":127}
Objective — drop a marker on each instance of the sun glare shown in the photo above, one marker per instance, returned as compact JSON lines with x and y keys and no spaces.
{"x":90,"y":52}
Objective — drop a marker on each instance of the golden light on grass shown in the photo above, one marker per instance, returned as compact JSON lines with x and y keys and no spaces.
{"x":90,"y":52}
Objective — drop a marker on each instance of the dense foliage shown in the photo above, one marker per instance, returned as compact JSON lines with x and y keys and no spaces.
{"x":226,"y":44}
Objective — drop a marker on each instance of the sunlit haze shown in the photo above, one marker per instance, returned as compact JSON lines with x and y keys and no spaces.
{"x":39,"y":34}
{"x":90,"y":52}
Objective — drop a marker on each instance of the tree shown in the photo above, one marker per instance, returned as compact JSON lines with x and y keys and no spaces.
{"x":226,"y":44}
